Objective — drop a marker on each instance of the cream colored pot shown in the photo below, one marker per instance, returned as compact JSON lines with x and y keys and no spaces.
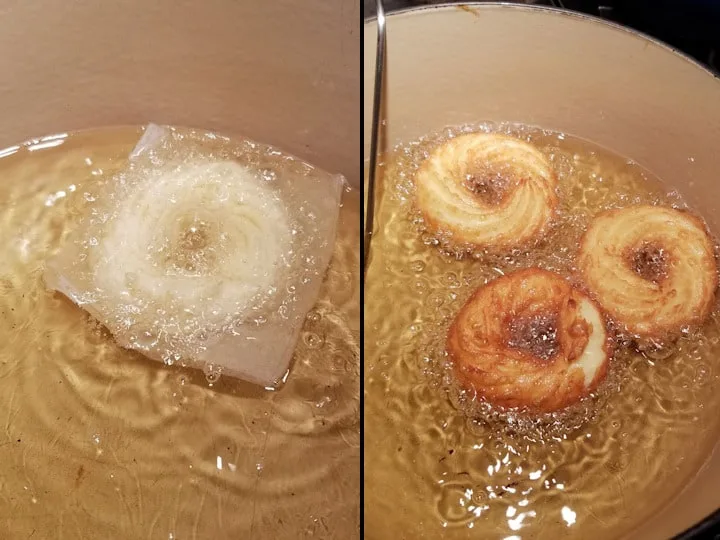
{"x":282,"y":72}
{"x":567,"y":72}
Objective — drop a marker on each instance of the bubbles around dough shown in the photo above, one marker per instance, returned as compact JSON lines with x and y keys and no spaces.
{"x":203,"y":251}
{"x":529,"y":340}
{"x":205,"y":238}
{"x":651,"y":268}
{"x":487,"y":191}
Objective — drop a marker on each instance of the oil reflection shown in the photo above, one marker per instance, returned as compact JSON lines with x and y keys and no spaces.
{"x":463,"y":502}
{"x":35,"y":144}
{"x":568,"y":515}
{"x":515,"y":522}
{"x":46,"y":142}
{"x":9,"y":151}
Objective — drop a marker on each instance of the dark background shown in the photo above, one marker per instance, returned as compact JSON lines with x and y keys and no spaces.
{"x":692,"y":26}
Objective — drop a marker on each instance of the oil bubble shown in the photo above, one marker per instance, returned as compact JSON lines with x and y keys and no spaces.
{"x":436,"y":299}
{"x":313,"y":340}
{"x":212,"y":373}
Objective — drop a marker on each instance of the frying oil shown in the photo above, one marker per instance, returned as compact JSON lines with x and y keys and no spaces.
{"x":100,"y":442}
{"x":439,"y":465}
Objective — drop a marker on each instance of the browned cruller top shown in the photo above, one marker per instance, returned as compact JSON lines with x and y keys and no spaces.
{"x":651,"y":268}
{"x":530,"y":340}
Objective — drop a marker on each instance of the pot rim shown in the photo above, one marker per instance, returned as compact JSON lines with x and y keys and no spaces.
{"x":712,"y":521}
{"x":559,"y":11}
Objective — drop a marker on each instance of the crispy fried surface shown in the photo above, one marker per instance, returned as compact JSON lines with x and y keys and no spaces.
{"x":488,"y":191}
{"x":530,"y":340}
{"x":652,"y":269}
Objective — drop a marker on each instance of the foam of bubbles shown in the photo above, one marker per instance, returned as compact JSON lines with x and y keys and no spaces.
{"x":476,"y":469}
{"x":204,"y":254}
{"x":157,"y":450}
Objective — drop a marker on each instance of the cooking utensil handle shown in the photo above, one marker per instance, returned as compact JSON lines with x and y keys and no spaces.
{"x":374,"y":134}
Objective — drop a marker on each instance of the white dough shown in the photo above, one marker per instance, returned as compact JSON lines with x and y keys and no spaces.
{"x":203,"y":259}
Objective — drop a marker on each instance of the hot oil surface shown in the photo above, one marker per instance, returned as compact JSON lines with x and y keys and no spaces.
{"x":433,"y":469}
{"x":97,"y":441}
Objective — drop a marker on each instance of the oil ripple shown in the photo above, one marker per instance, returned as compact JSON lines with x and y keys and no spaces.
{"x":94,"y":434}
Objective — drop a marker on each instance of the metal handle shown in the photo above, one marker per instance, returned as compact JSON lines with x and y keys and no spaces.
{"x":374,"y":134}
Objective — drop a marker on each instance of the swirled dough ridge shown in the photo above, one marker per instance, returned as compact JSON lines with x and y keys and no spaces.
{"x":487,"y":191}
{"x":529,"y":340}
{"x":191,"y":255}
{"x":651,"y":268}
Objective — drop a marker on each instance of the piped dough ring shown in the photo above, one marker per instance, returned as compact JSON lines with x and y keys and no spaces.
{"x":529,"y":340}
{"x":652,"y":269}
{"x":189,"y":251}
{"x":487,"y":191}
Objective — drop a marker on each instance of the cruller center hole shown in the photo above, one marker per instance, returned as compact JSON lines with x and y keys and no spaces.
{"x":536,"y":335}
{"x":650,"y":262}
{"x":489,"y":184}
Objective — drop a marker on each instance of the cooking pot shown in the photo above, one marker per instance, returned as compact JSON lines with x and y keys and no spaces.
{"x":449,"y":65}
{"x":280,"y":73}
{"x":284,"y":73}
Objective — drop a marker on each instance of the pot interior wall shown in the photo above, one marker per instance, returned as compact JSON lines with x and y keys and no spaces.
{"x":447,"y":66}
{"x":450,"y":65}
{"x":283,"y":72}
